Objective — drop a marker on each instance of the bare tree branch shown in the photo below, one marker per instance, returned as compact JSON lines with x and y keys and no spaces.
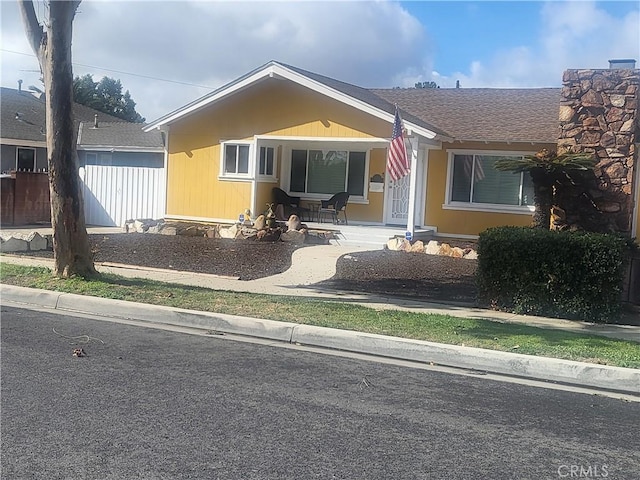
{"x":35,"y":32}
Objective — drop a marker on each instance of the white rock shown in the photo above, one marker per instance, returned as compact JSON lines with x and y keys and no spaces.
{"x":36,"y":242}
{"x":13,"y":244}
{"x":229,"y":232}
{"x":432,"y":247}
{"x":472,"y":255}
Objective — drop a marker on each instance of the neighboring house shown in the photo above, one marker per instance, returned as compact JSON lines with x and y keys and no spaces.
{"x":313,"y":136}
{"x":122,"y":166}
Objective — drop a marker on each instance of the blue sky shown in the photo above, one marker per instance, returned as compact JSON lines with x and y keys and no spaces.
{"x":164,"y":51}
{"x":473,"y":31}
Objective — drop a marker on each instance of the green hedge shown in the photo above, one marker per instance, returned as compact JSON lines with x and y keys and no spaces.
{"x":573,"y":275}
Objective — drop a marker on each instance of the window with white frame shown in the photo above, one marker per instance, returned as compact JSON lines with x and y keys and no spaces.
{"x":235,"y":159}
{"x":266,"y":165}
{"x":328,"y":172}
{"x":26,"y":159}
{"x":475,"y":181}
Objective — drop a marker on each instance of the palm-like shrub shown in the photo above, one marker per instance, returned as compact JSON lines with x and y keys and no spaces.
{"x":547,"y":169}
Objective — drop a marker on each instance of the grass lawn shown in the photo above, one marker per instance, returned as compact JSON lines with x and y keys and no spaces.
{"x":431,"y":327}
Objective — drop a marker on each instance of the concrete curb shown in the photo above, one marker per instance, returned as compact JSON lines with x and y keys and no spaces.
{"x":541,"y":368}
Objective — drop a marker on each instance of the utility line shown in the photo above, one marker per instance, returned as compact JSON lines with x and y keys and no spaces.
{"x":119,"y":71}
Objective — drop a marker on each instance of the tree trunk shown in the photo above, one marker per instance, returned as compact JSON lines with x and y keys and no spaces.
{"x":53,"y":48}
{"x":542,"y":198}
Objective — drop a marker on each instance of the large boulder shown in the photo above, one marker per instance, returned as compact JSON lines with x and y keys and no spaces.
{"x":296,"y":237}
{"x":294,"y":222}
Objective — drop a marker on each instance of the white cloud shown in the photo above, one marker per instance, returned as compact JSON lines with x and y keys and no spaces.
{"x":571,"y":35}
{"x":211,"y":43}
{"x":368,"y":43}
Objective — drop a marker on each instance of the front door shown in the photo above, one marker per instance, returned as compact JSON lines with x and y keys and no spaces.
{"x":397,"y":199}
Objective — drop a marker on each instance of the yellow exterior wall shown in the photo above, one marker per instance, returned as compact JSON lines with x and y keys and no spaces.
{"x":465,"y":222}
{"x":272,"y":107}
{"x":374,"y":210}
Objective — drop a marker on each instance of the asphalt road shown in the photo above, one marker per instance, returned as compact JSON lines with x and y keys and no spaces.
{"x":154,"y":404}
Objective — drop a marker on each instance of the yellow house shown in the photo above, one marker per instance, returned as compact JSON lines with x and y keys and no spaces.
{"x":313,"y":136}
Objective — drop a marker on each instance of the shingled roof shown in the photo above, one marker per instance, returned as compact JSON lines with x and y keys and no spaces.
{"x":483,"y":114}
{"x":368,"y":96}
{"x":465,"y":114}
{"x":23,"y":115}
{"x":119,"y":135}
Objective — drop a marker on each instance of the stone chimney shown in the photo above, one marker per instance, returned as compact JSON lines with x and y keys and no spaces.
{"x":599,"y":115}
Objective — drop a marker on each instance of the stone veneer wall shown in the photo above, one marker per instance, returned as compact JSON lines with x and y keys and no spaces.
{"x":599,"y":114}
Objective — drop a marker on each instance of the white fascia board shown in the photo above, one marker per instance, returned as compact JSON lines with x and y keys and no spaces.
{"x":23,"y":143}
{"x":111,"y":148}
{"x":232,"y":88}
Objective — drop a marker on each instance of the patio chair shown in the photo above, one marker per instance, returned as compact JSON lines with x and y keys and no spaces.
{"x":333,"y":206}
{"x":291,"y":205}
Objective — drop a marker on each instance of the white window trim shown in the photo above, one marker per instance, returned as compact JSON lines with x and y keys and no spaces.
{"x":287,"y":151}
{"x":264,"y":177}
{"x":237,"y":176}
{"x":35,"y":153}
{"x":482,"y":207}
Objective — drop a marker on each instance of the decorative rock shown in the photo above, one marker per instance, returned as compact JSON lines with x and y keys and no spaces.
{"x":417,"y":247}
{"x":293,"y":223}
{"x":36,"y":242}
{"x":269,"y":235}
{"x":432,"y":248}
{"x":191,"y":231}
{"x":315,"y":237}
{"x":13,"y":244}
{"x":398,"y":244}
{"x":293,"y":236}
{"x":168,"y":230}
{"x":259,"y":224}
{"x":139,"y":226}
{"x":229,"y":232}
{"x":246,"y":233}
{"x":445,"y":249}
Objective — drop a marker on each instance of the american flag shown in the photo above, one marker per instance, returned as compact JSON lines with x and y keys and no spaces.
{"x":397,"y":162}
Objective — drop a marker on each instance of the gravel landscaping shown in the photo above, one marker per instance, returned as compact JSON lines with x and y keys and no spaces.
{"x":415,"y":275}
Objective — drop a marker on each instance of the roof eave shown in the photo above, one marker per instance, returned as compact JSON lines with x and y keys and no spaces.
{"x":507,"y":141}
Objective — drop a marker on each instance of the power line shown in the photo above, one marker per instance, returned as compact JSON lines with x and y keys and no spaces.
{"x":119,"y":71}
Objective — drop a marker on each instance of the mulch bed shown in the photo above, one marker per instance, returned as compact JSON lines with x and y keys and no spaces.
{"x":414,"y":275}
